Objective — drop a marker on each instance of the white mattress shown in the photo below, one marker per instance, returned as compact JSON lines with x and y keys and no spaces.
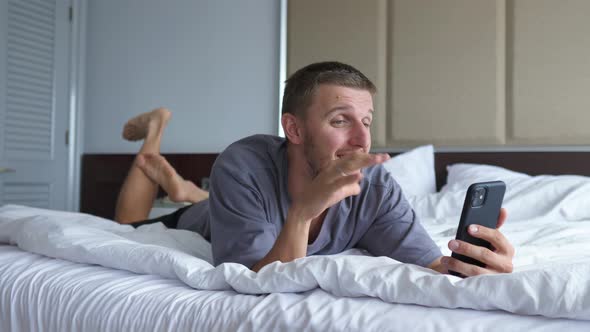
{"x":38,"y":293}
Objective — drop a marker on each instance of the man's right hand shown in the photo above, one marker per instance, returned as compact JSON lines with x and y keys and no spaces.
{"x":336,"y":180}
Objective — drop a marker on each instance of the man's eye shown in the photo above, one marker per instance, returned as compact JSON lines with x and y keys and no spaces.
{"x":367,"y":124}
{"x":338,"y":122}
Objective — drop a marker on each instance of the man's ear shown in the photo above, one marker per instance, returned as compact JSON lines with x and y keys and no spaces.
{"x":292,"y":129}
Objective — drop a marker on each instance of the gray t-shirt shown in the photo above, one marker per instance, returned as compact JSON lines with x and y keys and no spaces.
{"x":249,"y":201}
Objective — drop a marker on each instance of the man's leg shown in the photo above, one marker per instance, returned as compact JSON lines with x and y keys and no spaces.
{"x":139,"y":191}
{"x":157,"y":168}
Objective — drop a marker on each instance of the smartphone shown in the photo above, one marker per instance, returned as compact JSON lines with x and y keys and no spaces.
{"x":483,"y":202}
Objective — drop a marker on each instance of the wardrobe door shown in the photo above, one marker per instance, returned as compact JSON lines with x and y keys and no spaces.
{"x":34,"y":78}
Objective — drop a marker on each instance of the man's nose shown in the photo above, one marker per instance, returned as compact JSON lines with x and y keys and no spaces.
{"x":361,"y":136}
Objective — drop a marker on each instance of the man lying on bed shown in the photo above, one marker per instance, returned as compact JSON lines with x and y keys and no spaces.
{"x":316,"y":192}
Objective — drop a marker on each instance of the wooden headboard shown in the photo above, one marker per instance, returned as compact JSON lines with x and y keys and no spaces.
{"x":103,"y":174}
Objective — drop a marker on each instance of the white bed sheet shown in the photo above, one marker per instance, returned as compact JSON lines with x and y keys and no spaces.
{"x":38,"y":293}
{"x":90,"y":297}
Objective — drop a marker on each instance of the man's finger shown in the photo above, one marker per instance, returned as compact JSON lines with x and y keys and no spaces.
{"x":502,"y":217}
{"x":347,"y":185}
{"x":482,"y":254}
{"x":355,"y":161}
{"x":493,"y":236}
{"x":343,"y":181}
{"x":465,"y":269}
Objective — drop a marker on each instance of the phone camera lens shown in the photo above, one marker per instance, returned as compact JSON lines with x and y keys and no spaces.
{"x":478,"y":197}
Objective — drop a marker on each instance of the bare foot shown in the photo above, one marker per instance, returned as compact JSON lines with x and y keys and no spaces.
{"x":161,"y":172}
{"x":138,"y":127}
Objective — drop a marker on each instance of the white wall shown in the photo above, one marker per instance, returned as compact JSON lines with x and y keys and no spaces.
{"x":214,"y":63}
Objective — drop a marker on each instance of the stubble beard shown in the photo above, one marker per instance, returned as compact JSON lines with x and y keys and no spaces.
{"x":309,"y":149}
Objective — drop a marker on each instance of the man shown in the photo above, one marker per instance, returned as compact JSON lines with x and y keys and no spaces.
{"x":318,"y":191}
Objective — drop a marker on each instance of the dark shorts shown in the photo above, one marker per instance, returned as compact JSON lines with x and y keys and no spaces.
{"x":170,"y":220}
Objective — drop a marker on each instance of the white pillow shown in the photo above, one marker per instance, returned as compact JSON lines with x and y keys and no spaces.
{"x":414,"y":171}
{"x":461,"y":176}
{"x":559,"y":196}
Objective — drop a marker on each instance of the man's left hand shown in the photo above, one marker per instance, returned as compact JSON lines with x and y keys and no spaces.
{"x":497,"y":260}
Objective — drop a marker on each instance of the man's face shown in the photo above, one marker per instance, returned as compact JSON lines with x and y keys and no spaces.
{"x":337,"y":123}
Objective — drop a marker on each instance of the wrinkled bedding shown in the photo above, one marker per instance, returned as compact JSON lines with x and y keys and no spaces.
{"x":551,"y":277}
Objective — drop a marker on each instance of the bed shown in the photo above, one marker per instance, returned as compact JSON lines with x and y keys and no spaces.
{"x":64,"y":271}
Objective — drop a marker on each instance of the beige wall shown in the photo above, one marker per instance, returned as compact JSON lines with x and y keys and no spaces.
{"x":459,"y":72}
{"x":311,"y":38}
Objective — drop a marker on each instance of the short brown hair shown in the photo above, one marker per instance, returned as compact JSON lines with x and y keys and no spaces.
{"x":302,"y":85}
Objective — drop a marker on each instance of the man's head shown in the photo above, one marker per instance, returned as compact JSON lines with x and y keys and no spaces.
{"x":303,"y":84}
{"x":327,"y":112}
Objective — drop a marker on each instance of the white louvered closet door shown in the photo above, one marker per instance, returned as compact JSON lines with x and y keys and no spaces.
{"x":34,"y":51}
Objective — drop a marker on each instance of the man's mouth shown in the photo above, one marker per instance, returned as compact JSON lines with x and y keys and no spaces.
{"x":344,"y":153}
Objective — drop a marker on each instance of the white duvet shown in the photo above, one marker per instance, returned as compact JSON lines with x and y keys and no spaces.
{"x":551,"y":278}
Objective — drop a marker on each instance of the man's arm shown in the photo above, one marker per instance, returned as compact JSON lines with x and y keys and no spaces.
{"x":336,"y":181}
{"x":396,"y":230}
{"x":240,"y":229}
{"x":291,"y":242}
{"x":498,"y":260}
